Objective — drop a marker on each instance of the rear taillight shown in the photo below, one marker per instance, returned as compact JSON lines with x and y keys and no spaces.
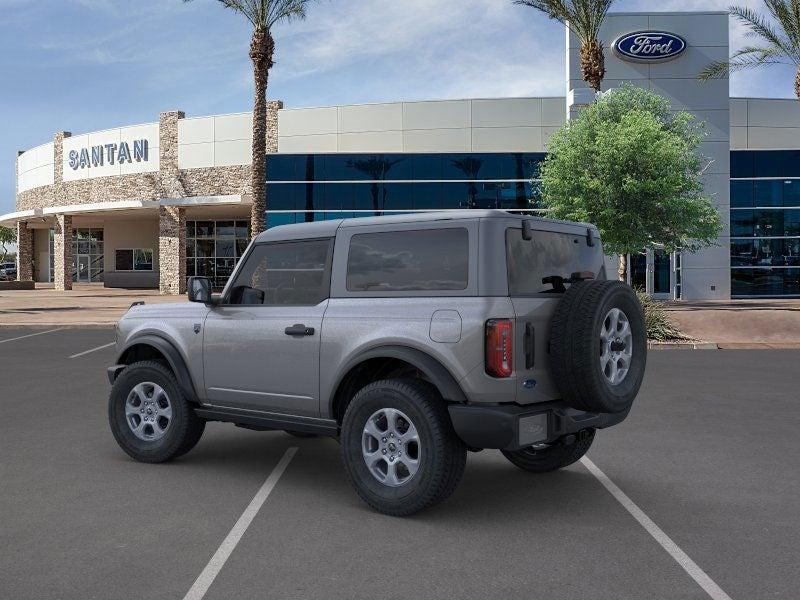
{"x":499,"y":347}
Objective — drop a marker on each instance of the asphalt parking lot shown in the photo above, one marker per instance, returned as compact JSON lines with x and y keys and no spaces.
{"x":709,"y":454}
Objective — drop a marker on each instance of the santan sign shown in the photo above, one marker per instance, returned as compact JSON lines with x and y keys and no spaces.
{"x":649,"y":46}
{"x":97,"y":156}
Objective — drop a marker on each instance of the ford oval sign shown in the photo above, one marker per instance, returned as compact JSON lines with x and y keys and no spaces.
{"x":649,"y":46}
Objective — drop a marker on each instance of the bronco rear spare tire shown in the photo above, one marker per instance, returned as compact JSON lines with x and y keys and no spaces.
{"x":598,"y":346}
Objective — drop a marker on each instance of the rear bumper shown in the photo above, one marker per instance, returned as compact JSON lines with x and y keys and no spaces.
{"x":511,"y":427}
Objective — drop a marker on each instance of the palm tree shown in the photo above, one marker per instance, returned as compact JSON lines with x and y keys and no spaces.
{"x":780,"y":42}
{"x":262,"y":15}
{"x":584,"y":19}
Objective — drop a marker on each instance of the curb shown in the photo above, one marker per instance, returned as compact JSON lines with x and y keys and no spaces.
{"x":688,"y":345}
{"x":55,"y":325}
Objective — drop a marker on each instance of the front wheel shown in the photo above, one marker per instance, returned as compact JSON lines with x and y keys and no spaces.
{"x":149,"y":416}
{"x":553,"y":457}
{"x":399,"y":448}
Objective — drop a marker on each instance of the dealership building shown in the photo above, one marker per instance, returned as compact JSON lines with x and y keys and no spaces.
{"x":145,"y":206}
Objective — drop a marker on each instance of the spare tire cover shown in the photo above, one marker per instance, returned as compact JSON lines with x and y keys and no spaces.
{"x":598,"y":346}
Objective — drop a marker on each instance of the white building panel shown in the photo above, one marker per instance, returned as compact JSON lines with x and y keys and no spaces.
{"x":445,"y":114}
{"x":195,"y":156}
{"x":738,"y":109}
{"x":773,"y":113}
{"x":507,"y":139}
{"x":438,"y":140}
{"x":739,"y":138}
{"x":508,"y":112}
{"x":554,"y":111}
{"x":234,"y":152}
{"x":767,"y":138}
{"x":237,"y":126}
{"x":302,"y":144}
{"x":697,"y":28}
{"x":371,"y":141}
{"x":370,"y":117}
{"x":308,"y":121}
{"x":196,"y":131}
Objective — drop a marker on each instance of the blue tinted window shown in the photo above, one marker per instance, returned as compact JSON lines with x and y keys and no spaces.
{"x":275,"y":219}
{"x":742,"y":164}
{"x":765,"y":282}
{"x":768,"y":163}
{"x":455,"y":195}
{"x":281,"y":167}
{"x":741,"y":194}
{"x":339,"y":196}
{"x":791,"y":192}
{"x":463,"y":166}
{"x":367,"y":196}
{"x":426,"y":166}
{"x":742,"y":223}
{"x":281,"y":196}
{"x":790,"y":165}
{"x":791,"y":222}
{"x":396,"y":196}
{"x":768,"y":193}
{"x":428,"y":196}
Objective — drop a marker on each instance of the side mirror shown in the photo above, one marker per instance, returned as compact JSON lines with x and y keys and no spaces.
{"x":199,"y":289}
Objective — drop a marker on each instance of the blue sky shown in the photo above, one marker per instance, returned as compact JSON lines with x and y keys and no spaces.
{"x":84,"y":65}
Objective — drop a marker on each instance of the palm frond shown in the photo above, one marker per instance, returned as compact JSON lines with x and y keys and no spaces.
{"x":759,"y":26}
{"x":745,"y":58}
{"x":583,"y":17}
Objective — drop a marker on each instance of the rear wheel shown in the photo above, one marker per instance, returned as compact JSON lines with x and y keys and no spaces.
{"x":554,"y":456}
{"x":398,"y":446}
{"x":149,"y":416}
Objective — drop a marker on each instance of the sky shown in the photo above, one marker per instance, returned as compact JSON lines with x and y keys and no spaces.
{"x":86,"y":65}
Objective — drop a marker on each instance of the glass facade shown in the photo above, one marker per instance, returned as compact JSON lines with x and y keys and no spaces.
{"x":765,"y":223}
{"x":87,"y":255}
{"x":313,"y":187}
{"x":214,"y":247}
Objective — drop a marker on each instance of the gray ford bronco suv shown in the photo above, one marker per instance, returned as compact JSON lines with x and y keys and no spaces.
{"x":411,"y":339}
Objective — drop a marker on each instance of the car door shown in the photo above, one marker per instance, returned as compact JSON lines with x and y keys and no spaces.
{"x":261,"y":345}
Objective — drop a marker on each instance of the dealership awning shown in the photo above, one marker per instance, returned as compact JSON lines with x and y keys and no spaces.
{"x":13,"y":218}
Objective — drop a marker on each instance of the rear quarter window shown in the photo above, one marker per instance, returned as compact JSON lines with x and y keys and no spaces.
{"x":400,"y":261}
{"x":548,"y":253}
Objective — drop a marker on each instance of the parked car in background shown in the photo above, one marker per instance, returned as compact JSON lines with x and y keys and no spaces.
{"x":8,"y":271}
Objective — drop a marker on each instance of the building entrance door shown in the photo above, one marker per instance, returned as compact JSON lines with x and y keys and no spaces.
{"x":657,"y":272}
{"x":83,"y":269}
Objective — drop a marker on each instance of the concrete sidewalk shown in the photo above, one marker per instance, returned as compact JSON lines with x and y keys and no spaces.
{"x":740,"y":323}
{"x":87,"y":305}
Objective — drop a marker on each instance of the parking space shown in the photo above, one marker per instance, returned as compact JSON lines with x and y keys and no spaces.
{"x":708,"y":454}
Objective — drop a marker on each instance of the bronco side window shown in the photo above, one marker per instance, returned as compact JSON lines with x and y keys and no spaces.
{"x":285,"y":274}
{"x":400,"y":261}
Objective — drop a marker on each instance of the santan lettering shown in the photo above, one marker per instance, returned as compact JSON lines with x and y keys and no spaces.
{"x":97,"y":156}
{"x":644,"y":44}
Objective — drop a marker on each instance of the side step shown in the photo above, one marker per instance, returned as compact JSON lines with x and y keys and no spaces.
{"x":265,"y":420}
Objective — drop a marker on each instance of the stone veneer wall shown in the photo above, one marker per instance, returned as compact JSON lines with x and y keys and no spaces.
{"x":171,"y":249}
{"x":62,"y":250}
{"x":24,"y":252}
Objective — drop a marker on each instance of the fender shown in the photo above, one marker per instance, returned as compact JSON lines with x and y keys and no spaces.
{"x":431,"y":367}
{"x":174,"y":358}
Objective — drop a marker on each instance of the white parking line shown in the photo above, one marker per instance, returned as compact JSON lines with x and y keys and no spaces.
{"x":688,"y":565}
{"x":22,"y":337}
{"x":206,"y":578}
{"x":84,"y":353}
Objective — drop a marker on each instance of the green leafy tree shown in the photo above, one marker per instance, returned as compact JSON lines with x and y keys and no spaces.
{"x":778,"y":40}
{"x":631,"y":167}
{"x":584,"y":19}
{"x":8,"y":236}
{"x":263,"y":15}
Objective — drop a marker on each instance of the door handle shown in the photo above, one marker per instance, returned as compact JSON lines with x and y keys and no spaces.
{"x":299,"y":329}
{"x":530,"y":345}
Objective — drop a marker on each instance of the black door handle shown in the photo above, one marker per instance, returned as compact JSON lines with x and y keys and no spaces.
{"x":299,"y":329}
{"x":530,"y":345}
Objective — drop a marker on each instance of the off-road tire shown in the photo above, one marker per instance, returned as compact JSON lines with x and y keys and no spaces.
{"x":552,"y":458}
{"x":184,"y":431}
{"x":442,"y":454}
{"x":575,"y":346}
